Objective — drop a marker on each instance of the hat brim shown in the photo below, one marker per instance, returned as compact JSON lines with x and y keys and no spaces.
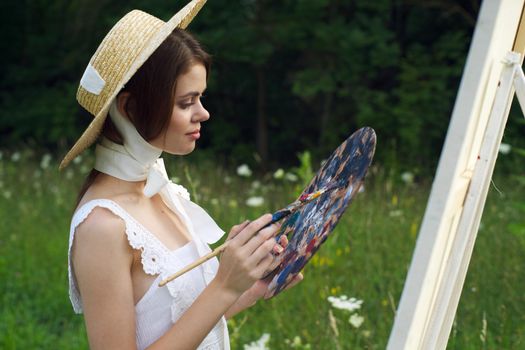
{"x":180,"y":20}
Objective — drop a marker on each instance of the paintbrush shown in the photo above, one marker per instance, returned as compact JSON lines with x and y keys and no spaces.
{"x":276,"y":216}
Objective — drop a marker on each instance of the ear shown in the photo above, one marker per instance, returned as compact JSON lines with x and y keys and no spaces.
{"x":122,"y":101}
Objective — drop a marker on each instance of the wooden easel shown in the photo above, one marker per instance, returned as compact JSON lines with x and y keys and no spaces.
{"x":446,"y":239}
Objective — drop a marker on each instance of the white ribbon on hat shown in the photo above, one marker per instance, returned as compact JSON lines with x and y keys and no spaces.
{"x":138,"y":160}
{"x":92,"y":81}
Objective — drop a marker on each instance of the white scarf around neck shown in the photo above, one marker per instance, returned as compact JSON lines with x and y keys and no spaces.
{"x":138,"y":160}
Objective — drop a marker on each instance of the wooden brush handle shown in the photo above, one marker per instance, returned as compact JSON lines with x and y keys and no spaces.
{"x":194,"y":264}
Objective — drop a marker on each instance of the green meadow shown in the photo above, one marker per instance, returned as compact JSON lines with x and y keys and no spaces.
{"x":366,"y":258}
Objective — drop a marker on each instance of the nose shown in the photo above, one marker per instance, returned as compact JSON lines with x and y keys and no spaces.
{"x":201,"y":114}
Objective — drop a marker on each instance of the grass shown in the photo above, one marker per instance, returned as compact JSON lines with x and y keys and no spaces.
{"x":367,"y":257}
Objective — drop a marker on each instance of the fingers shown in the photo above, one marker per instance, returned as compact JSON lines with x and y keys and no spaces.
{"x":267,"y":263}
{"x":251,"y":229}
{"x":259,"y":238}
{"x":237,"y":228}
{"x":275,"y":262}
{"x":281,"y":246}
{"x":277,"y":249}
{"x":262,"y":251}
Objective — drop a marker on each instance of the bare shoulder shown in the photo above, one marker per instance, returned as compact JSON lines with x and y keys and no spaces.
{"x":100,"y":222}
{"x":101,"y":236}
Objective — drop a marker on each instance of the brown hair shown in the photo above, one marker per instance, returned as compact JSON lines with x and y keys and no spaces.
{"x":152,"y":90}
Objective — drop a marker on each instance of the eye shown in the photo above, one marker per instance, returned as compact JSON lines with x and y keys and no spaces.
{"x":185,"y":105}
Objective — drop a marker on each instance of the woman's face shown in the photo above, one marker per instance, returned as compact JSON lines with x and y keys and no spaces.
{"x":187,"y":114}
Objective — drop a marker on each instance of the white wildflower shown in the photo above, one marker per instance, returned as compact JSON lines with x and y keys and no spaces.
{"x":256,"y":184}
{"x":291,"y":177}
{"x":261,"y":344}
{"x":7,"y":194}
{"x":344,"y":303}
{"x":77,"y":160}
{"x":255,"y":201}
{"x":244,"y":170}
{"x":407,"y":177}
{"x":279,"y":174}
{"x":296,"y":341}
{"x":175,"y":179}
{"x":15,"y":157}
{"x":504,"y":148}
{"x":46,"y":159}
{"x":356,"y":320}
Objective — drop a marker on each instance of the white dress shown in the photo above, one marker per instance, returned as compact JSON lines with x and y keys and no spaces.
{"x":160,"y":307}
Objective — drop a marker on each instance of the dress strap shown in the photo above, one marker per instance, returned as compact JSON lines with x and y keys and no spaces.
{"x":154,"y":254}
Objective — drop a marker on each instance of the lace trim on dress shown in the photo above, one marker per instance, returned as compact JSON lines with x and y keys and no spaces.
{"x":153,"y":253}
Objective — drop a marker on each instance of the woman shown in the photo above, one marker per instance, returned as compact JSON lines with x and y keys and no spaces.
{"x":132,"y":227}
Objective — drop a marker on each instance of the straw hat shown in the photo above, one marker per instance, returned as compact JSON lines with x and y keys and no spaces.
{"x":124,"y":49}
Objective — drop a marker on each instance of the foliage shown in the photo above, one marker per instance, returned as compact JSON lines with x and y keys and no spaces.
{"x":288,"y":75}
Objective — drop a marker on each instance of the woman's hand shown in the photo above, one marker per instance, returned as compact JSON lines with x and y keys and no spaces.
{"x":260,"y":288}
{"x":248,"y":255}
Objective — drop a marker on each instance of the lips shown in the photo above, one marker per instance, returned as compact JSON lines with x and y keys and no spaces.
{"x":195,"y":135}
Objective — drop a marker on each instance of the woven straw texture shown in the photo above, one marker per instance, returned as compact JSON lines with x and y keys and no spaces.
{"x":121,"y":53}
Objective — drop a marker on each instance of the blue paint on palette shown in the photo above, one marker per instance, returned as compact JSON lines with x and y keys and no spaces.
{"x":284,"y":274}
{"x":298,"y":264}
{"x":310,"y":226}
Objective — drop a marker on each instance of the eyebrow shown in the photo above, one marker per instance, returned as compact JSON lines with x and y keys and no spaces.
{"x":190,"y":94}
